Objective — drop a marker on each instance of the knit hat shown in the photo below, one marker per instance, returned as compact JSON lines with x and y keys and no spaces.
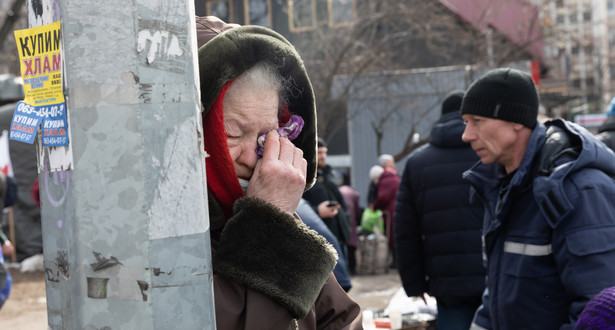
{"x":599,"y":313}
{"x":321,"y":143}
{"x":452,"y":102}
{"x":506,"y":94}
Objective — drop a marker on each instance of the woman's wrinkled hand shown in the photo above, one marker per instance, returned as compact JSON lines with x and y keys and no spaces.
{"x":279,"y":176}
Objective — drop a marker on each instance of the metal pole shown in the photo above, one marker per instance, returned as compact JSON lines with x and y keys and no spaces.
{"x":124,"y":212}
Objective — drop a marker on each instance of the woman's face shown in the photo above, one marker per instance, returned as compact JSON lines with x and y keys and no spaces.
{"x":247,"y":113}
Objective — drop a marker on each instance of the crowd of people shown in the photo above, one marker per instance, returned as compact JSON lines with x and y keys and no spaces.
{"x":507,"y":221}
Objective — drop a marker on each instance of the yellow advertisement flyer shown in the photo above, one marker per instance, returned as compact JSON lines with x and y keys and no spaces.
{"x":41,"y":64}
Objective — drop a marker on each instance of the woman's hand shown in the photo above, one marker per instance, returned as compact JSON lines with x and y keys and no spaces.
{"x":279,"y":176}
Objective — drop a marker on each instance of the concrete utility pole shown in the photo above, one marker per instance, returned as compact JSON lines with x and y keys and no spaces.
{"x":124,"y":213}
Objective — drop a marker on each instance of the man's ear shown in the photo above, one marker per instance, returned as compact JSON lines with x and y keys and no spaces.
{"x":517,"y":127}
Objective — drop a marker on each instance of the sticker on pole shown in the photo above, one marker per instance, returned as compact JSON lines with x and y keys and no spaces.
{"x":25,"y":123}
{"x":54,"y":125}
{"x":40,"y":58}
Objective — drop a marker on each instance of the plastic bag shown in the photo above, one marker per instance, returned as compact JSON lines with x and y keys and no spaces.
{"x":372,"y":220}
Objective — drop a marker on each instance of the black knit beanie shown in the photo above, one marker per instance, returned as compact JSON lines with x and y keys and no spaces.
{"x":506,"y":94}
{"x":321,"y":143}
{"x":452,"y":102}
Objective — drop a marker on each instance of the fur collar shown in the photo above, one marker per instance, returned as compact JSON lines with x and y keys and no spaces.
{"x":273,"y":253}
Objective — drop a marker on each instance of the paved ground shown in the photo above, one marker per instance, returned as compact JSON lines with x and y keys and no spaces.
{"x":374,"y":291}
{"x":26,"y":307}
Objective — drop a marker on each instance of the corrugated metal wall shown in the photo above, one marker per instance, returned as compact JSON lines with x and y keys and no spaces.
{"x":401,"y":100}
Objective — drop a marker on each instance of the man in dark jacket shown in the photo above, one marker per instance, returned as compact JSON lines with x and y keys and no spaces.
{"x":328,"y":202}
{"x":549,"y":218}
{"x":437,"y":230}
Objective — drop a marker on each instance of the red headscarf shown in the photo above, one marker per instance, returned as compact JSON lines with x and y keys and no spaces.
{"x":221,"y":177}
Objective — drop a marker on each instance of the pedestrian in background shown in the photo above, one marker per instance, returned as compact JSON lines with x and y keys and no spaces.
{"x":327,"y":200}
{"x":437,"y":229}
{"x":549,"y":218}
{"x":385,"y":162}
{"x":351,"y":197}
{"x":606,"y":132}
{"x":270,"y":271}
{"x":386,"y":197}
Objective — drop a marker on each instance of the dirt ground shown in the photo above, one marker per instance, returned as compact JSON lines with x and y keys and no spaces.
{"x":26,"y":307}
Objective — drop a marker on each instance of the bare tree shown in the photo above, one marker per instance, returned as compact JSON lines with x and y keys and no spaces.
{"x":394,"y":35}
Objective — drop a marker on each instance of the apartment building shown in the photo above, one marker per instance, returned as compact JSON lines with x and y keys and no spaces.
{"x":579,"y":39}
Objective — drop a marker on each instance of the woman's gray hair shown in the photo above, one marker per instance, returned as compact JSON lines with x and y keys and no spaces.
{"x":264,"y":75}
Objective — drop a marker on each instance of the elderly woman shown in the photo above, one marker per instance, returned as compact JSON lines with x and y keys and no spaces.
{"x":270,"y":270}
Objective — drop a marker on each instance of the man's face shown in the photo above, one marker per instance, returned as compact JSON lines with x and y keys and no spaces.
{"x":322,"y":157}
{"x":493,"y":140}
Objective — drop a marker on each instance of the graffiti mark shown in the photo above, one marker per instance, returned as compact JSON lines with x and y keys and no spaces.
{"x":143,"y":286}
{"x":103,"y":263}
{"x":62,"y":184}
{"x":62,"y":263}
{"x":51,"y":276}
{"x":157,"y":272}
{"x":59,"y":223}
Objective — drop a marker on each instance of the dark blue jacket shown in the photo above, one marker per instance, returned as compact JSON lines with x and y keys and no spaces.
{"x":549,"y":238}
{"x":437,"y":231}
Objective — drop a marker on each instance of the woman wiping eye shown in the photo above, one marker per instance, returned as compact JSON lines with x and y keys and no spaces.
{"x":290,"y":130}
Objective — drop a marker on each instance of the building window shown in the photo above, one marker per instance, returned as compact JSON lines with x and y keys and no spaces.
{"x":612,"y":71}
{"x":589,"y":83}
{"x":610,"y":8}
{"x":560,"y":3}
{"x":573,"y":18}
{"x":341,"y":12}
{"x":302,"y":15}
{"x":559,"y":19}
{"x":589,"y":49}
{"x":576,"y":83}
{"x":587,"y":16}
{"x":258,"y":12}
{"x":223,"y":9}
